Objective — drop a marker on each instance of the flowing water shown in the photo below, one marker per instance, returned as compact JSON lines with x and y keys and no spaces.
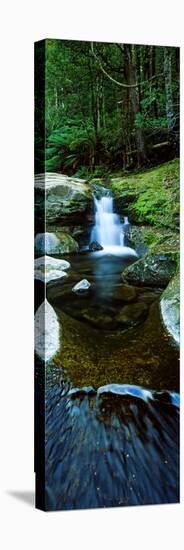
{"x":105,"y":448}
{"x":112,"y":403}
{"x":108,"y":230}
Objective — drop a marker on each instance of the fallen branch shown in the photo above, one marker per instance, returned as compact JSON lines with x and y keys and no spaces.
{"x":156,"y":146}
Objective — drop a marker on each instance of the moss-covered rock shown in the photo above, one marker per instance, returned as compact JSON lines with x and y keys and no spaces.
{"x":148,"y":238}
{"x":154,"y":269}
{"x":55,"y":243}
{"x":170,"y":308}
{"x":150,"y":197}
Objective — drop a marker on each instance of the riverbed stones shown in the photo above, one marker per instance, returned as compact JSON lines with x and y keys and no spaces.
{"x":82,"y":286}
{"x":55,"y":243}
{"x":170,"y":308}
{"x":131,"y":315}
{"x":98,"y":317}
{"x":149,"y":296}
{"x":124,"y":293}
{"x":152,"y":270}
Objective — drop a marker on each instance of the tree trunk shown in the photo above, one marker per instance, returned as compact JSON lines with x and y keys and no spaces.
{"x":134,"y":98}
{"x":168,"y":86}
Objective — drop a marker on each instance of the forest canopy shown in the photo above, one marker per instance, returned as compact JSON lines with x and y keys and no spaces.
{"x":109,"y":107}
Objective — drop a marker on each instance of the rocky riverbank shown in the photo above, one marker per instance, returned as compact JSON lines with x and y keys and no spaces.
{"x":67,"y":205}
{"x":150,"y":199}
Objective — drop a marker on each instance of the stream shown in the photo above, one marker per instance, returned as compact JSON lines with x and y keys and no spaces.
{"x":112,"y":387}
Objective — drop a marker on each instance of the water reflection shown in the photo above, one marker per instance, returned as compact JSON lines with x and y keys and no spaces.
{"x":118,"y":445}
{"x":107,"y":268}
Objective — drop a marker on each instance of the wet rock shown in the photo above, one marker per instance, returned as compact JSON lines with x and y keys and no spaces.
{"x":62,"y":197}
{"x":152,"y":270}
{"x":170,"y":308}
{"x":133,"y":314}
{"x":126,"y":390}
{"x":82,"y":286}
{"x":137,"y":240}
{"x":94,"y":246}
{"x":47,"y":269}
{"x":55,"y":243}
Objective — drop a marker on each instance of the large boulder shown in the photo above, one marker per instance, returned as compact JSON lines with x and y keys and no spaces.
{"x":55,"y":243}
{"x":153,"y":270}
{"x":156,"y":239}
{"x":63,"y":198}
{"x":170,"y":308}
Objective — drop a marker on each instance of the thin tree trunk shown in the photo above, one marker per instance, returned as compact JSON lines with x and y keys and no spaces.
{"x":168,"y":86}
{"x":134,"y":98}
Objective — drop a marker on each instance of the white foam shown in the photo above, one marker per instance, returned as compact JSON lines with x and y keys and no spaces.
{"x":116,"y":251}
{"x":126,"y":389}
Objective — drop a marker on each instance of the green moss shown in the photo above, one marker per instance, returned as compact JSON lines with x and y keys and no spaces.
{"x":160,"y":239}
{"x":152,"y":196}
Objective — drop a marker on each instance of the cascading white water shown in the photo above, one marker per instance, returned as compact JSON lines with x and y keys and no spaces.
{"x":108,"y":230}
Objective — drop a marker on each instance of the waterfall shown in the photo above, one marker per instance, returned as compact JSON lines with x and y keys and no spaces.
{"x":108,"y":229}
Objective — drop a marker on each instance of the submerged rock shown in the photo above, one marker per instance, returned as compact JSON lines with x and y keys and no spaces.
{"x":149,"y":296}
{"x":170,"y":308}
{"x":47,"y":269}
{"x":124,"y":293}
{"x":152,"y":270}
{"x":133,"y":314}
{"x":55,"y":243}
{"x":94,"y":246}
{"x":82,"y":286}
{"x":100,"y":317}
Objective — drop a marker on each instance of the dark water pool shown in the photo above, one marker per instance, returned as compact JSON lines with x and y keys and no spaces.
{"x":104,"y":448}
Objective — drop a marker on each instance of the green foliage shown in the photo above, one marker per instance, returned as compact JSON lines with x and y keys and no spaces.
{"x":73,"y":146}
{"x":91,"y":122}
